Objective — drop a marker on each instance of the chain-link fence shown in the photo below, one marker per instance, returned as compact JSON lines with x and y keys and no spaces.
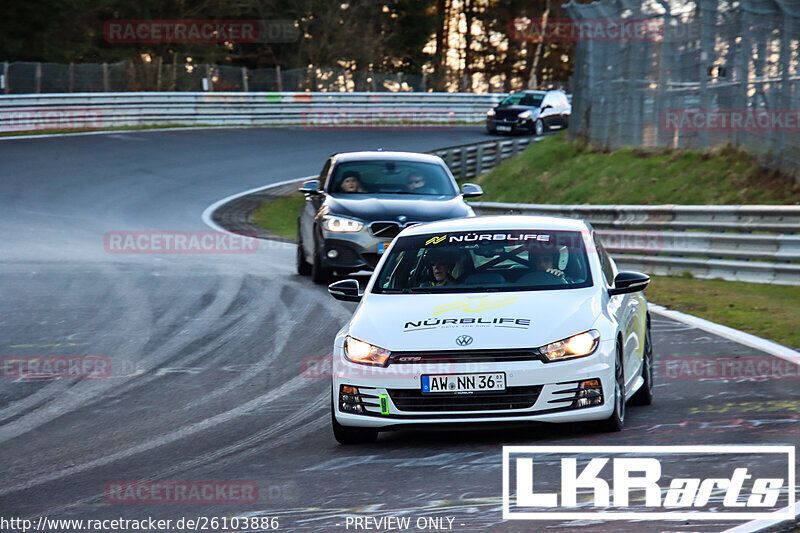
{"x":670,"y":74}
{"x":26,"y":77}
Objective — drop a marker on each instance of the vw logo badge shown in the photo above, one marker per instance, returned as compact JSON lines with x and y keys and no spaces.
{"x":402,"y":219}
{"x":463,"y":340}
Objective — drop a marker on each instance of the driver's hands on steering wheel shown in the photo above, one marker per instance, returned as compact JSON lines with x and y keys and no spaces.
{"x":555,"y":272}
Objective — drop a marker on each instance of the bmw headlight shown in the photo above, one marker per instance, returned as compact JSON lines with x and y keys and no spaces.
{"x":579,"y":345}
{"x":525,"y":114}
{"x":364,"y":353}
{"x":491,"y":113}
{"x":341,"y":224}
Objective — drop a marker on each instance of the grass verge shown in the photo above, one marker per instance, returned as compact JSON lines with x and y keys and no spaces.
{"x":557,"y":170}
{"x":279,"y":216}
{"x":769,"y":311}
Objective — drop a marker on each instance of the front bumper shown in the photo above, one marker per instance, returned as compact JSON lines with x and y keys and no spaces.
{"x":494,"y":125}
{"x":354,"y":251}
{"x":535,"y":392}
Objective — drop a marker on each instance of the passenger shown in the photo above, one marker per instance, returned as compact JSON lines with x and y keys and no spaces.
{"x":543,"y":262}
{"x":415,"y":181}
{"x":351,"y":182}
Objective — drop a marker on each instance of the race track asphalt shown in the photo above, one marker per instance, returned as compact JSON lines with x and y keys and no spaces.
{"x":213,"y":355}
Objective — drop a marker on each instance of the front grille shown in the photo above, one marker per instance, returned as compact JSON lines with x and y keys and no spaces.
{"x":385,"y":230}
{"x":511,"y":398}
{"x":464,"y":356}
{"x":509,"y":115}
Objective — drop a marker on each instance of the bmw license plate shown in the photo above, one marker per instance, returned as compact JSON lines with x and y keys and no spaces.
{"x":503,"y":128}
{"x":495,"y":381}
{"x":382,"y":247}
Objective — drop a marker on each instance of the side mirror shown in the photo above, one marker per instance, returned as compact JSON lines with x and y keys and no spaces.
{"x":470,"y":190}
{"x":548,"y":106}
{"x":345,"y":290}
{"x":628,"y":282}
{"x":310,"y":187}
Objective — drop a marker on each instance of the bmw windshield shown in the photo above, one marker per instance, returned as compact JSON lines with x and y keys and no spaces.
{"x":496,"y":260}
{"x":391,"y":177}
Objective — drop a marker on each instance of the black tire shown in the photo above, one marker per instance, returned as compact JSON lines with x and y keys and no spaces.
{"x":539,"y":128}
{"x":319,"y":274}
{"x":644,"y":396}
{"x":303,"y":267}
{"x":617,"y":419}
{"x":347,"y":435}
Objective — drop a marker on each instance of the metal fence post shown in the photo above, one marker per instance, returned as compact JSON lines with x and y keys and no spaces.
{"x":38,"y":78}
{"x":71,"y":77}
{"x":479,"y":160}
{"x":278,"y":78}
{"x":464,"y":156}
{"x":6,"y":81}
{"x":245,"y":84}
{"x":105,"y":77}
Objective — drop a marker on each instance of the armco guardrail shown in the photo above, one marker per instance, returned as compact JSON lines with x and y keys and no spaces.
{"x":472,"y":160}
{"x":328,"y":109}
{"x":759,"y":244}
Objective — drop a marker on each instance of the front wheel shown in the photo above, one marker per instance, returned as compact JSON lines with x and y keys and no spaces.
{"x":303,"y":268}
{"x":538,"y":127}
{"x":617,"y":419}
{"x":644,"y":396}
{"x":348,"y":435}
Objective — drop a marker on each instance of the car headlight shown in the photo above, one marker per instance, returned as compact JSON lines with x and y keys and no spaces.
{"x":579,"y":345}
{"x":341,"y":224}
{"x":525,"y":114}
{"x":364,"y":353}
{"x":491,"y":113}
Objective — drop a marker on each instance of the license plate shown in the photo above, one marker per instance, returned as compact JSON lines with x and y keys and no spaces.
{"x":382,"y":247}
{"x":495,"y":381}
{"x":503,"y":128}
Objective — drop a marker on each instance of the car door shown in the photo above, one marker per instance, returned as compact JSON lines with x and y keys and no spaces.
{"x":311,"y":207}
{"x":623,"y":308}
{"x":549,"y":113}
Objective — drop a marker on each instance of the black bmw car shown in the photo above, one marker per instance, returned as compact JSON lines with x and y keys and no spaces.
{"x":533,"y":112}
{"x":362,"y":200}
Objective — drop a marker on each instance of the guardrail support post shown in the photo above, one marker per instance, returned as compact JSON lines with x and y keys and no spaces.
{"x":6,"y":81}
{"x":70,"y":75}
{"x":278,"y":77}
{"x":245,"y":85}
{"x":105,"y":77}
{"x":464,"y":156}
{"x":38,"y":78}
{"x":209,"y":83}
{"x":478,"y":160}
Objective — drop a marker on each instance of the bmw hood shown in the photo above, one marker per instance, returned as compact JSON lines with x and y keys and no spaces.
{"x":390,"y":207}
{"x":494,"y":321}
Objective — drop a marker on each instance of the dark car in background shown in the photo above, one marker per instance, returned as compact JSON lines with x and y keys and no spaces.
{"x":532,"y":112}
{"x":362,"y":200}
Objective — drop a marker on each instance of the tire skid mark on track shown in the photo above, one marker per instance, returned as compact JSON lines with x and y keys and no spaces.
{"x":240,"y":449}
{"x":272,"y":396}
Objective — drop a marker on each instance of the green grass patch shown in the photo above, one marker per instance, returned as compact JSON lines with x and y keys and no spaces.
{"x":769,"y":311}
{"x":279,"y":216}
{"x":557,"y":170}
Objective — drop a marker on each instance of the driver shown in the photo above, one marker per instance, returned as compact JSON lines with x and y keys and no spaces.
{"x":415,"y":181}
{"x":441,"y":265}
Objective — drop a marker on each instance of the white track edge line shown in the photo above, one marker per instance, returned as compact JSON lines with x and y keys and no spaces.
{"x":758,"y":525}
{"x":770,"y":347}
{"x":209,"y":211}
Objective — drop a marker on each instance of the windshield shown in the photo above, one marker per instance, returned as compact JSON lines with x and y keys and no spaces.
{"x":391,"y":177}
{"x":526,"y":99}
{"x":508,"y":260}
